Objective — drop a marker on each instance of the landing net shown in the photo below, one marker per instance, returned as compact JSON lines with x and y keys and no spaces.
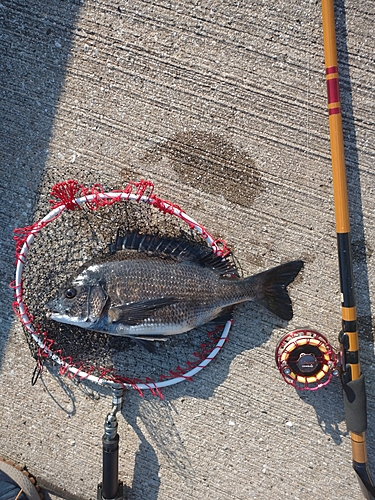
{"x":80,"y":226}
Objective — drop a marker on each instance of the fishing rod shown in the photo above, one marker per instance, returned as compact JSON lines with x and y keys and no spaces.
{"x":304,"y":357}
{"x":352,"y":378}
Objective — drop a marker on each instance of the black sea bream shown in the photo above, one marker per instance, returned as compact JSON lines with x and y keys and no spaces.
{"x":152,"y":287}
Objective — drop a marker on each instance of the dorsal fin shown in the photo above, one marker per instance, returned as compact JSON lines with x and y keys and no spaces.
{"x":174,"y":247}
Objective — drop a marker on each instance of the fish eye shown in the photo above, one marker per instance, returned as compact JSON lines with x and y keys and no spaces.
{"x":70,"y":293}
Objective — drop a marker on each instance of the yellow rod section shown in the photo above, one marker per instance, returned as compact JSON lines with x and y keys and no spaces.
{"x":335,"y":119}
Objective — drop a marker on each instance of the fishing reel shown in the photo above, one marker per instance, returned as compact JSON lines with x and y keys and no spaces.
{"x":306,"y":360}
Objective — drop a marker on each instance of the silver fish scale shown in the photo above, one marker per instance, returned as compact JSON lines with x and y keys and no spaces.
{"x":200,"y":291}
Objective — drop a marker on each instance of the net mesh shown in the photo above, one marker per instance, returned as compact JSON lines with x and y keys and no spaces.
{"x":77,"y":232}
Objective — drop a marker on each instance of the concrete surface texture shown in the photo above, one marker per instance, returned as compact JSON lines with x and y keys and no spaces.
{"x":222,"y":104}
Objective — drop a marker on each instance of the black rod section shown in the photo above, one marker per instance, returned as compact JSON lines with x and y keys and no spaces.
{"x":110,"y":484}
{"x":111,"y":488}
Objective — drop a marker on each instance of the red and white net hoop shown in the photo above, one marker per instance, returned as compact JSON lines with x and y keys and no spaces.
{"x":72,"y":196}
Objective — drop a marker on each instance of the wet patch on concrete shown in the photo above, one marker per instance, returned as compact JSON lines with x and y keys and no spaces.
{"x":212,"y":164}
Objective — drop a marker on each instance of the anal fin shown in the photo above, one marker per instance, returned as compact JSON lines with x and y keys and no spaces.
{"x":225,"y":315}
{"x":146,"y":344}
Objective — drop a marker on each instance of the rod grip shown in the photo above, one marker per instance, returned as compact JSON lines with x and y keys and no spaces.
{"x":355,"y":405}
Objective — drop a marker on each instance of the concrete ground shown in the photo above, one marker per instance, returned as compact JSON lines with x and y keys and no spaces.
{"x":222,"y":104}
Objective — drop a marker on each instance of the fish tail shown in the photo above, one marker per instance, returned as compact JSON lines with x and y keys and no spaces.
{"x":270,"y":288}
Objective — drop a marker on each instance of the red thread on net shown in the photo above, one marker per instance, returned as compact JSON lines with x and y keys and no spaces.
{"x":67,"y":363}
{"x":155,"y":391}
{"x":42,"y":353}
{"x":65,"y":193}
{"x":165,"y":206}
{"x":73,"y":375}
{"x":187,"y":221}
{"x":95,"y":192}
{"x":223,"y":250}
{"x":133,"y":382}
{"x":98,"y":197}
{"x":21,"y":235}
{"x":109,"y":374}
{"x":104,"y":372}
{"x":204,"y":353}
{"x":26,"y":313}
{"x":180,"y":372}
{"x":18,"y":292}
{"x":48,"y":344}
{"x":87,"y":371}
{"x":141,"y":188}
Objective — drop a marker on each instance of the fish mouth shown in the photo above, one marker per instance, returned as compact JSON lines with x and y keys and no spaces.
{"x":57,"y":313}
{"x":62,"y":318}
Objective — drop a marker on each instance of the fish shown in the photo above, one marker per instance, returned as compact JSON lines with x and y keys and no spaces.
{"x":149,"y":288}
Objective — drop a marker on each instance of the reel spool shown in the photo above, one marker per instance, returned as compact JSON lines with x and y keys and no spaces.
{"x":306,"y":359}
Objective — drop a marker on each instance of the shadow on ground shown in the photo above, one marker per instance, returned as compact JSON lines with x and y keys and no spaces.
{"x":36,"y":40}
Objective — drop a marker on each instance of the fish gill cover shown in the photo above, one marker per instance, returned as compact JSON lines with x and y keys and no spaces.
{"x":85,"y":232}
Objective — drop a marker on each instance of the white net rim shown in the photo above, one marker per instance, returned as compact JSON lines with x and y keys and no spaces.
{"x":114,"y":196}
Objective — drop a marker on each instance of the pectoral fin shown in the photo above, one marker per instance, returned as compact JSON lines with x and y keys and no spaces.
{"x":135,"y":312}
